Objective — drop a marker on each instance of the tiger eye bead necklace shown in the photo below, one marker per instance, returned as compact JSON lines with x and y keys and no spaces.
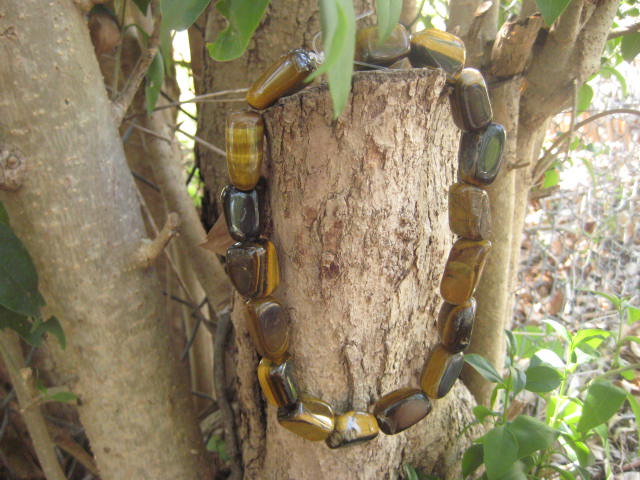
{"x":253,"y":265}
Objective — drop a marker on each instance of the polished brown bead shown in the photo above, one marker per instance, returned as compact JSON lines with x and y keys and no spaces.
{"x":441,"y":372}
{"x":437,"y":49}
{"x":277,"y":382}
{"x":352,"y":428}
{"x":470,"y":104}
{"x":463,"y":269}
{"x":268,"y":325}
{"x":369,"y":50}
{"x":455,"y":325}
{"x":242,"y":213}
{"x":469,"y":212}
{"x":284,"y":77}
{"x":480,"y":155}
{"x":309,"y":418}
{"x":253,"y":268}
{"x":244,"y":139}
{"x":400,"y":409}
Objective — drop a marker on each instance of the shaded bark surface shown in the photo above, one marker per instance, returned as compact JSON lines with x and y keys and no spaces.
{"x":359,"y":213}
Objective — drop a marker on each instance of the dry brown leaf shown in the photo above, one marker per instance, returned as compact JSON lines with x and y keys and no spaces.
{"x":218,"y":238}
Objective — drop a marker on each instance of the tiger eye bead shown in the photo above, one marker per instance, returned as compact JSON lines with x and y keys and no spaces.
{"x":244,"y":135}
{"x":352,"y":428}
{"x":441,"y":372}
{"x":463,"y":269}
{"x":277,"y":383}
{"x":241,"y":212}
{"x":455,"y":325}
{"x":400,"y":409}
{"x":253,"y":268}
{"x":470,"y":104}
{"x":309,"y":418}
{"x":284,"y":77}
{"x":268,"y":325}
{"x":480,"y":155}
{"x":370,"y":50}
{"x":437,"y":49}
{"x":469,"y":212}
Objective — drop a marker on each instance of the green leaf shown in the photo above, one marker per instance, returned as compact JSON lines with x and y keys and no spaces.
{"x":603,"y":400}
{"x":410,"y":472}
{"x":142,"y":5}
{"x":585,"y":95}
{"x":471,"y":459}
{"x":635,"y":408}
{"x":517,"y":471}
{"x":216,"y":444}
{"x":518,"y":380}
{"x":181,"y":14}
{"x":630,"y":46}
{"x":559,"y":328}
{"x":552,"y":9}
{"x":548,"y":357}
{"x":155,"y":76}
{"x":483,"y":367}
{"x":551,"y":178}
{"x":51,"y":326}
{"x":18,"y":277}
{"x":4,"y":216}
{"x":633,"y":314}
{"x":542,"y":379}
{"x":338,"y":34}
{"x":481,"y":412}
{"x":15,"y":321}
{"x":592,"y":336}
{"x":581,"y":451}
{"x":615,"y":300}
{"x":500,"y":451}
{"x":58,"y":394}
{"x":388,"y":12}
{"x":532,"y":435}
{"x":243,"y":17}
{"x":607,"y":70}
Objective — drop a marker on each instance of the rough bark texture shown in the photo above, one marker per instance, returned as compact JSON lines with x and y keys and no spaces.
{"x":360,"y":222}
{"x":78,"y":215}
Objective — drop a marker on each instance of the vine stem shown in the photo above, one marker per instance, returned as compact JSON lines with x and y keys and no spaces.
{"x":22,"y":381}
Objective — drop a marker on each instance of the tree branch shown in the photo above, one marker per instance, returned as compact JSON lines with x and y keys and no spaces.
{"x":22,"y":381}
{"x":149,"y":251}
{"x":122,"y":102}
{"x":621,"y":32}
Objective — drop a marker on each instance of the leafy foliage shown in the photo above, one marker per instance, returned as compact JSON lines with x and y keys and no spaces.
{"x":552,"y":9}
{"x":181,"y":14}
{"x":388,"y":12}
{"x":153,"y":82}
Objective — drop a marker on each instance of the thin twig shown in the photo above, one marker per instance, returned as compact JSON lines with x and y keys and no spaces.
{"x":123,"y":100}
{"x":148,"y":183}
{"x":204,"y":143}
{"x":621,"y":32}
{"x":418,"y":15}
{"x":196,"y":326}
{"x":220,"y":382}
{"x":548,"y":158}
{"x":149,"y":251}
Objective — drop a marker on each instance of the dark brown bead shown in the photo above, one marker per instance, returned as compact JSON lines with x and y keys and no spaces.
{"x":268,"y":325}
{"x":310,"y":418}
{"x":480,"y":155}
{"x":470,"y":104}
{"x":244,"y":136}
{"x":352,"y":428}
{"x":242,"y":213}
{"x":253,"y":268}
{"x":277,"y":382}
{"x":469,"y":212}
{"x":284,"y":77}
{"x":441,"y":372}
{"x":463,"y":270}
{"x":400,"y":409}
{"x":455,"y":325}
{"x":370,"y":50}
{"x":437,"y":49}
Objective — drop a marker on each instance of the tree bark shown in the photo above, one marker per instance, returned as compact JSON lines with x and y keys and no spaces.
{"x":359,"y":212}
{"x":78,"y":215}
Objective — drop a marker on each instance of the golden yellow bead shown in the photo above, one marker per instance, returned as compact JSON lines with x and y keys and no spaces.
{"x":268,"y":325}
{"x":438,"y":49}
{"x":470,"y":104}
{"x":463,"y":270}
{"x":455,"y":325}
{"x":469,"y":212}
{"x":244,"y":139}
{"x":277,"y":382}
{"x":441,"y":372}
{"x":310,"y":418}
{"x":253,"y":268}
{"x":370,"y":50}
{"x":352,"y":428}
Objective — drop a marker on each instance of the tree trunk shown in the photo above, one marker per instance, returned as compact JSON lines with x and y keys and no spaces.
{"x":78,"y":215}
{"x":360,"y":223}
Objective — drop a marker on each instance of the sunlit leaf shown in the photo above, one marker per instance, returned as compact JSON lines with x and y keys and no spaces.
{"x":542,"y":379}
{"x":559,"y":328}
{"x":551,"y":178}
{"x":51,"y":326}
{"x":500,"y":451}
{"x":602,"y":401}
{"x":388,"y":12}
{"x":633,"y":314}
{"x":483,"y":367}
{"x":630,"y":46}
{"x":546,"y":356}
{"x":552,"y":9}
{"x":59,"y":394}
{"x":243,"y":17}
{"x":410,"y":472}
{"x":155,"y":76}
{"x":609,"y":70}
{"x":181,"y":14}
{"x":585,"y":95}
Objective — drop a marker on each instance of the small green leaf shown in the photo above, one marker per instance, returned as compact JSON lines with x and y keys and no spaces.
{"x":216,"y":444}
{"x":548,"y":357}
{"x":630,"y":46}
{"x":551,"y":178}
{"x":603,"y":400}
{"x":410,"y":472}
{"x":471,"y":459}
{"x":155,"y":76}
{"x":51,"y":326}
{"x":181,"y":14}
{"x":500,"y":451}
{"x":588,"y":334}
{"x":518,"y":380}
{"x":18,"y":277}
{"x":552,"y":9}
{"x":615,"y":300}
{"x":542,"y":379}
{"x":607,"y":70}
{"x":388,"y":12}
{"x":142,"y":5}
{"x":4,"y":216}
{"x":559,"y":328}
{"x":483,"y":367}
{"x":481,"y":412}
{"x":58,"y":394}
{"x":581,"y":451}
{"x":532,"y":435}
{"x":633,"y":314}
{"x":585,"y":95}
{"x":243,"y":17}
{"x":16,"y":322}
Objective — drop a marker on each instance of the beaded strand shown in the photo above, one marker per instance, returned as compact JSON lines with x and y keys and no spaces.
{"x":253,"y":265}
